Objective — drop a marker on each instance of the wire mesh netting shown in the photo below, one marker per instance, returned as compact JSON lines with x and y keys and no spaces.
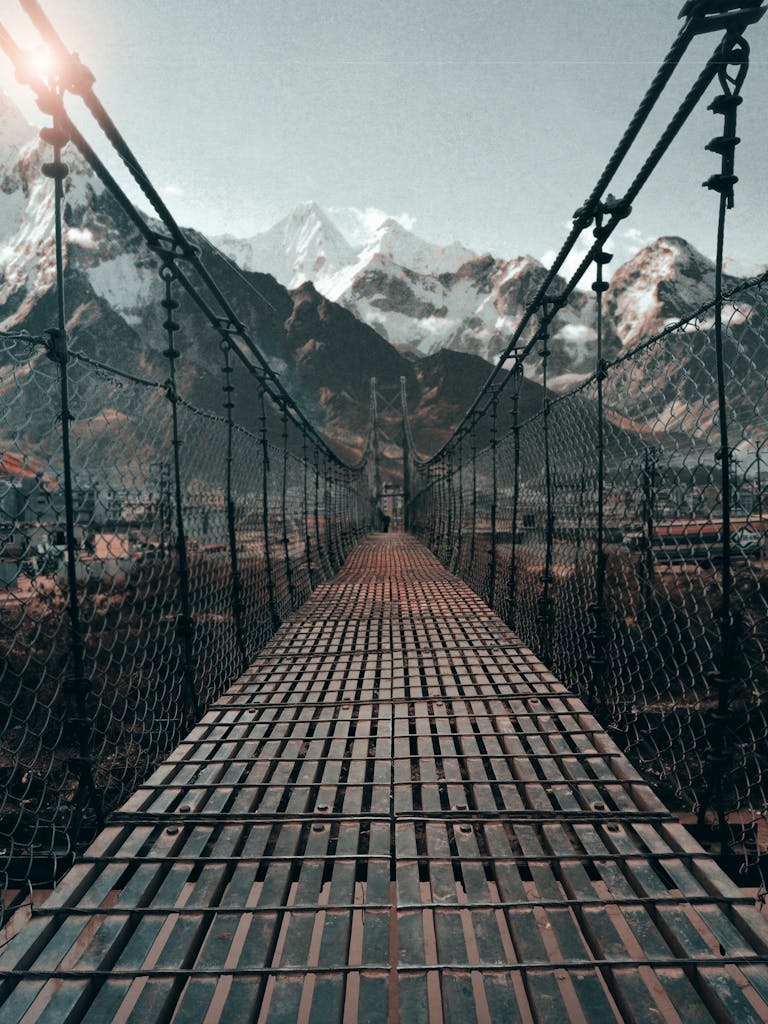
{"x":262,"y":520}
{"x":521,"y":524}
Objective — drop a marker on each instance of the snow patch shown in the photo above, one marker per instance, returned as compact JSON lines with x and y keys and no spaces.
{"x":127,"y":287}
{"x":83,"y":237}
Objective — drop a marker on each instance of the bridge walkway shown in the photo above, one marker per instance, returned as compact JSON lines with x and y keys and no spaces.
{"x":396,"y":814}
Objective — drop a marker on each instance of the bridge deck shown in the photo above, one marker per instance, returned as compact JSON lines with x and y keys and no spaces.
{"x":396,"y":814}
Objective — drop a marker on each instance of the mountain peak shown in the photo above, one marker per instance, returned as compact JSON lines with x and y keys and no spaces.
{"x":665,"y":279}
{"x":398,"y":244}
{"x":307,"y":210}
{"x":669,"y":254}
{"x":304,"y":246}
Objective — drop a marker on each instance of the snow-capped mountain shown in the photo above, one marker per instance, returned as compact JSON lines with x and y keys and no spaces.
{"x":420,"y":296}
{"x":308,"y":246}
{"x":324,"y":354}
{"x":474,"y":309}
{"x":662,"y":282}
{"x":404,"y":307}
{"x":425,"y":298}
{"x":15,"y":134}
{"x":304,"y":246}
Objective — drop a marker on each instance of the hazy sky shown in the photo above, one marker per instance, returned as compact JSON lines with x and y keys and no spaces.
{"x":481,"y":122}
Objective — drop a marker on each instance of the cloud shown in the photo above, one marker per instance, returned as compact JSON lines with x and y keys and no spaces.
{"x":577,"y":333}
{"x":359,"y":225}
{"x":578,"y":341}
{"x":82,"y":237}
{"x":172,"y":190}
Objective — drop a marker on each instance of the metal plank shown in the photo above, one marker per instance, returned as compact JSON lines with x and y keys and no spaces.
{"x":397,"y":813}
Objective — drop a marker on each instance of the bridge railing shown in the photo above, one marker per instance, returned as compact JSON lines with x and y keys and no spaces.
{"x":524,"y":522}
{"x":174,"y":597}
{"x":152,"y":537}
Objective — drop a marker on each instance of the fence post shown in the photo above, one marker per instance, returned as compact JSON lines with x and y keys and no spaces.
{"x":349,"y":513}
{"x":597,"y":635}
{"x":273,"y":613}
{"x":449,"y":542}
{"x":77,"y":686}
{"x":726,"y":675}
{"x":237,"y":586}
{"x":406,"y":458}
{"x":305,"y":506}
{"x":285,"y":539}
{"x":473,"y":538}
{"x":494,"y":499}
{"x":329,"y":528}
{"x":186,"y":623}
{"x":341,"y":506}
{"x":429,"y":496}
{"x":648,"y":513}
{"x":316,"y":508}
{"x":517,"y":380}
{"x":457,"y":562}
{"x":546,"y":578}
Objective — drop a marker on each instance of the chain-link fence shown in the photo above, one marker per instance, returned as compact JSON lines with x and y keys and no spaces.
{"x":530,"y":520}
{"x":177,"y":582}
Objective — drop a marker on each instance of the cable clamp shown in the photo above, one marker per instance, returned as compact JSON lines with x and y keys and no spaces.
{"x":54,"y":135}
{"x":56,"y":169}
{"x":722,"y":183}
{"x":722,"y":144}
{"x":618,"y":208}
{"x":75,"y":77}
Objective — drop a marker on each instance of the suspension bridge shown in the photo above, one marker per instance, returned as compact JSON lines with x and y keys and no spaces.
{"x":269,"y":762}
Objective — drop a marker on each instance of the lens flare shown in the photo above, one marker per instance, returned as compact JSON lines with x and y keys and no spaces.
{"x":41,"y":62}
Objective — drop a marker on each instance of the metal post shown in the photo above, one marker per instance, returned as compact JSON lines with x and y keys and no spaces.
{"x":458,"y":560}
{"x":649,"y":502}
{"x":327,"y":501}
{"x":449,"y":540}
{"x":285,"y":539}
{"x":494,"y":499}
{"x":473,"y":538}
{"x":305,"y":509}
{"x":406,"y":458}
{"x":237,"y":586}
{"x":316,"y":510}
{"x":597,"y":636}
{"x":758,"y":449}
{"x":725,"y":678}
{"x":186,"y":623}
{"x":517,"y":379}
{"x":376,"y":454}
{"x":430,"y":510}
{"x":273,"y":612}
{"x":546,"y":578}
{"x":77,"y":686}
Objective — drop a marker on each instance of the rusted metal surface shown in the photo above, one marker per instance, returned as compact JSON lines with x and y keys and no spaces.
{"x":396,"y":814}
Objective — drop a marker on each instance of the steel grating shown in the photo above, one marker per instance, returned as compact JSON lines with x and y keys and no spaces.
{"x":396,"y":814}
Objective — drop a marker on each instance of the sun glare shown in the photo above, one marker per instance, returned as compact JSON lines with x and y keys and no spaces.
{"x":41,"y":62}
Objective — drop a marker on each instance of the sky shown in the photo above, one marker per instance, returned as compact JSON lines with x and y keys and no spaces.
{"x":485,"y":123}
